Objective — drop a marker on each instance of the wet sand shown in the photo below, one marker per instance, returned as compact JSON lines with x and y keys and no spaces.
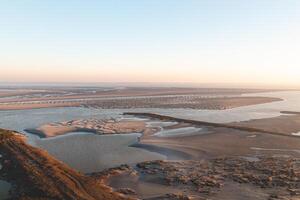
{"x":227,"y":142}
{"x":226,"y":177}
{"x":182,"y":141}
{"x":142,"y":189}
{"x":235,"y":149}
{"x":253,"y":151}
{"x":223,"y":140}
{"x":286,"y":124}
{"x":194,"y":98}
{"x":28,"y":106}
{"x":197,"y":165}
{"x":234,"y":126}
{"x":224,"y":162}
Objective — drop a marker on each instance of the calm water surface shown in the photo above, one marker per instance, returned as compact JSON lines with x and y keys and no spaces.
{"x":89,"y":152}
{"x":99,"y":152}
{"x":22,"y":119}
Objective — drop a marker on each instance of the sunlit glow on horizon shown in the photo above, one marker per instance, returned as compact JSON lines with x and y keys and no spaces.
{"x":211,"y":42}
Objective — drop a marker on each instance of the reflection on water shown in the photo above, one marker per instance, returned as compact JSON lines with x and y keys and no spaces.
{"x":185,"y":131}
{"x":160,"y":124}
{"x":22,"y":119}
{"x":291,"y":102}
{"x":88,"y":152}
{"x":296,"y":134}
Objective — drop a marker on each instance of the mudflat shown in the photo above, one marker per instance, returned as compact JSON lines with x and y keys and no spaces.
{"x":256,"y":159}
{"x":209,"y":163}
{"x":287,"y":124}
{"x":220,"y":163}
{"x":194,"y":98}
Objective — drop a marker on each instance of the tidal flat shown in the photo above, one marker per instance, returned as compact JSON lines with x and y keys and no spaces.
{"x":163,"y":150}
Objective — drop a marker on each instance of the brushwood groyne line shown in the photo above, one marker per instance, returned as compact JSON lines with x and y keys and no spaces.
{"x":203,"y":123}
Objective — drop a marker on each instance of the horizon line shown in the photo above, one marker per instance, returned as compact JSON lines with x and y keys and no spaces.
{"x":154,"y":84}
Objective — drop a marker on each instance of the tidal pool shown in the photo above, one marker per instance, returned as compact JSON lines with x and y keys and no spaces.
{"x":89,"y":152}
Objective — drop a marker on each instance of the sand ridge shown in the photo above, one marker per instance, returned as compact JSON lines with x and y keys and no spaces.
{"x":194,"y":98}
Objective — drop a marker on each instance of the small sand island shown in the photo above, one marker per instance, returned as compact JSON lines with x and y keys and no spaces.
{"x":287,"y":124}
{"x":98,"y":126}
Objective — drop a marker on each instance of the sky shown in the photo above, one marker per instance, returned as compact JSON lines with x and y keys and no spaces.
{"x":217,"y":42}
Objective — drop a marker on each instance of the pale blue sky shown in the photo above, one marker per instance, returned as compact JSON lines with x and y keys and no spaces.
{"x":204,"y":41}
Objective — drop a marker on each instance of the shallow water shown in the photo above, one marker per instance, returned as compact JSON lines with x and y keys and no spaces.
{"x":22,"y":119}
{"x":185,"y":131}
{"x":291,"y":102}
{"x":160,"y":124}
{"x":88,"y":152}
{"x":4,"y":190}
{"x":142,"y":188}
